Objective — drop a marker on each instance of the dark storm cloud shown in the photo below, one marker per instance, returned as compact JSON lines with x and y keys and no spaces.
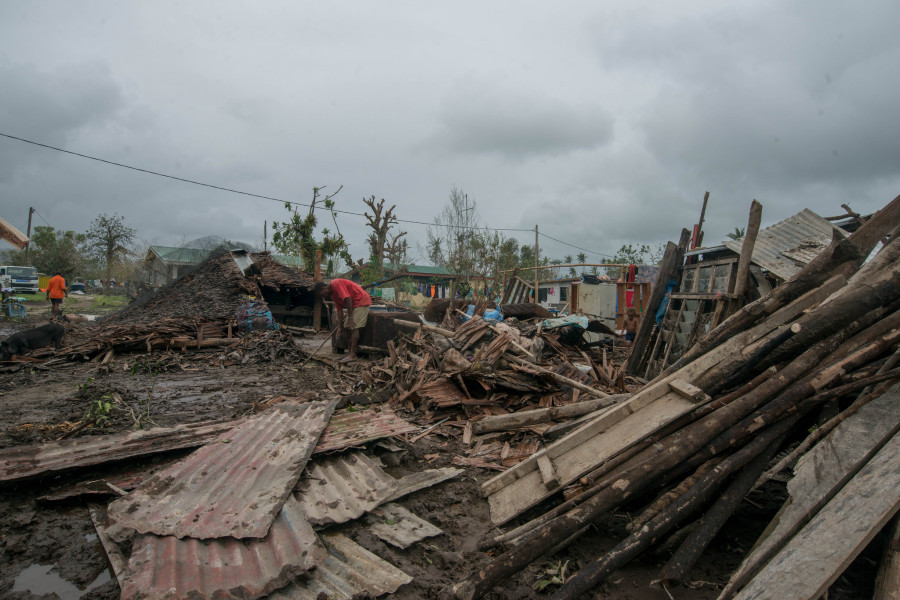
{"x":51,"y":105}
{"x":476,"y":117}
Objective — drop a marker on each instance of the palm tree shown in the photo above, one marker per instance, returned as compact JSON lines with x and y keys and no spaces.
{"x":737,"y":234}
{"x":568,"y":260}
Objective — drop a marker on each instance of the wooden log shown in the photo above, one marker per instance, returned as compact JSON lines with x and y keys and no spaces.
{"x":743,"y":268}
{"x":757,"y":453}
{"x":671,"y":262}
{"x":887,"y":583}
{"x":688,"y":553}
{"x":726,"y":427}
{"x":660,"y":504}
{"x":817,"y":555}
{"x":873,"y":286}
{"x":559,"y":378}
{"x":425,"y":327}
{"x":317,"y":302}
{"x":543,"y":415}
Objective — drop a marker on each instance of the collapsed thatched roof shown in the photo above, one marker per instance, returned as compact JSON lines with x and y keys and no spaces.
{"x":212,"y":291}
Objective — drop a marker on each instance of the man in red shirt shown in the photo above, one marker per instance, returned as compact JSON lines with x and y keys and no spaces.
{"x":56,"y":291}
{"x":350,"y":297}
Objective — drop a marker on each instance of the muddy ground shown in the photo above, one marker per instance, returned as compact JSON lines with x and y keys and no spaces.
{"x":48,"y":549}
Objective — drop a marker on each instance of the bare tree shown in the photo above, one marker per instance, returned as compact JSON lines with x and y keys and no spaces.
{"x":109,"y":240}
{"x":450,"y":239}
{"x":381,"y":244}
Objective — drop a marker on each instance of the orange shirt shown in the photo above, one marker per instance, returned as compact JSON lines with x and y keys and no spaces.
{"x":56,"y":288}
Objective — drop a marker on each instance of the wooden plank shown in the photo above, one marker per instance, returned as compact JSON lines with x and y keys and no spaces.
{"x":548,"y":473}
{"x":821,"y":551}
{"x":688,"y":391}
{"x":821,"y":473}
{"x":672,"y":260}
{"x":525,"y":418}
{"x":619,"y":433}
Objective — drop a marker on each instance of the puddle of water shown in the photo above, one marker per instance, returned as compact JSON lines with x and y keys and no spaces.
{"x":41,"y":579}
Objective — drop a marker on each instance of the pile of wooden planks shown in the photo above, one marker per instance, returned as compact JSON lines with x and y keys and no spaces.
{"x":702,"y":434}
{"x":484,"y":380}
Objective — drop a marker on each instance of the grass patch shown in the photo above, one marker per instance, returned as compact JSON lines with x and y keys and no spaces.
{"x":101,"y":300}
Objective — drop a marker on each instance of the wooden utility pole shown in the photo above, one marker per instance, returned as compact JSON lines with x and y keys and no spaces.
{"x":28,"y":244}
{"x":265,"y":236}
{"x":536,"y":270}
{"x":317,"y":303}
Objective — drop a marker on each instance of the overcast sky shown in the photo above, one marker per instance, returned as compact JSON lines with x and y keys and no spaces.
{"x":602,"y":122}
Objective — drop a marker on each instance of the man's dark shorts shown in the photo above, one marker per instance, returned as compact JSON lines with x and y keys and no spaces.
{"x":54,"y":302}
{"x":629,"y":336}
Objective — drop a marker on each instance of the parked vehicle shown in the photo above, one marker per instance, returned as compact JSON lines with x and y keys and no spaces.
{"x":19,"y":279}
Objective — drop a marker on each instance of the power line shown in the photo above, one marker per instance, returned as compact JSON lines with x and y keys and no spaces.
{"x":273,"y":199}
{"x":576,"y":247}
{"x":42,"y":218}
{"x":234,"y":191}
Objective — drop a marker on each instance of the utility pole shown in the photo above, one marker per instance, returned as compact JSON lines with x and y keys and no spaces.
{"x":265,"y":236}
{"x":28,"y":245}
{"x":536,"y":270}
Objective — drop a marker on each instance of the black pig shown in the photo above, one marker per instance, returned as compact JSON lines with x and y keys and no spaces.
{"x":32,"y":339}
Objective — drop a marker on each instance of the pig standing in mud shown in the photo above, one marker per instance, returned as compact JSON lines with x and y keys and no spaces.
{"x":32,"y":339}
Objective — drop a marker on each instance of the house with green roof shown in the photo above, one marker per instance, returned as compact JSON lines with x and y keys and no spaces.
{"x":164,"y":264}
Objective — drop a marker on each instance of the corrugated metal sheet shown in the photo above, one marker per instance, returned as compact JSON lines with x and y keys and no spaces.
{"x":337,"y":489}
{"x":349,"y":571}
{"x":783,"y":248}
{"x":22,"y":462}
{"x":399,"y":527}
{"x":168,"y":568}
{"x":348,"y":428}
{"x":234,"y":486}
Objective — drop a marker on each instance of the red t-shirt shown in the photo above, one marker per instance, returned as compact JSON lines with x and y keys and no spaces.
{"x":342,"y":288}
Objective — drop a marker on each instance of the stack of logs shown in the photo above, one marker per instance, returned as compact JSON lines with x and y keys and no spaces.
{"x":825,"y":340}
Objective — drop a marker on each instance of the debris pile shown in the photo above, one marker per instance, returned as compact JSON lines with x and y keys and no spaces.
{"x":500,"y":385}
{"x":246,"y":514}
{"x":699,"y":437}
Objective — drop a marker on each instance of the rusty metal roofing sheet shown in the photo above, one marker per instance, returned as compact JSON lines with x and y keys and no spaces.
{"x":349,"y":571}
{"x":168,"y":568}
{"x":348,"y":428}
{"x":22,"y":462}
{"x":340,"y":488}
{"x":234,"y":486}
{"x":785,"y":247}
{"x":398,"y":526}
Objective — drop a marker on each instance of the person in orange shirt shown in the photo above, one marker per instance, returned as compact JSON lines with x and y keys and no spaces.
{"x":56,"y":291}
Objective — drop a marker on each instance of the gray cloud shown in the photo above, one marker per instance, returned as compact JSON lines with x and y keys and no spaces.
{"x":602,"y":123}
{"x":479,"y":117}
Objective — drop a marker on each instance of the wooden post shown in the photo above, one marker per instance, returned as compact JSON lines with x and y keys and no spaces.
{"x":317,"y":303}
{"x":28,"y":243}
{"x":743,"y":269}
{"x":698,"y":242}
{"x":536,"y":261}
{"x":671,"y":262}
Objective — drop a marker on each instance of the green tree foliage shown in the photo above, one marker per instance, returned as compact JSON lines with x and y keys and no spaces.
{"x":52,"y":250}
{"x":567,"y":259}
{"x":109,"y":240}
{"x":630,"y":254}
{"x":737,"y":234}
{"x":297,"y":235}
